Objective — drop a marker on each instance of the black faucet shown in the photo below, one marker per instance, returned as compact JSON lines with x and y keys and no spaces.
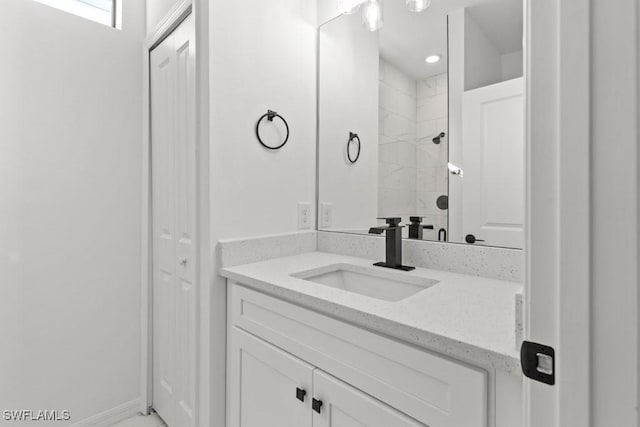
{"x":393,"y":244}
{"x":416,"y":227}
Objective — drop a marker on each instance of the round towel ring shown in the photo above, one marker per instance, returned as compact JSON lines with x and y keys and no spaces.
{"x":353,"y":137}
{"x":270,"y":115}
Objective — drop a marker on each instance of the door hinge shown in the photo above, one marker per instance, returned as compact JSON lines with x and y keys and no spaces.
{"x":538,"y":362}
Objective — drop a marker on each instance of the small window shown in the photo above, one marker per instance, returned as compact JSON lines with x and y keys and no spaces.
{"x":101,"y":11}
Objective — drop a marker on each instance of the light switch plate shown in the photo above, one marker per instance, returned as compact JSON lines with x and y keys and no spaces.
{"x":326,"y":215}
{"x":304,"y":215}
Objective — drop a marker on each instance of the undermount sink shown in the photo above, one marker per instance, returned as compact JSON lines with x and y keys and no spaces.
{"x":370,"y":281}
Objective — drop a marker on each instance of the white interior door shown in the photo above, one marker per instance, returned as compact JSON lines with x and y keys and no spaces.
{"x":173,"y":164}
{"x":264,"y":383}
{"x":344,"y":406}
{"x":493,"y":164}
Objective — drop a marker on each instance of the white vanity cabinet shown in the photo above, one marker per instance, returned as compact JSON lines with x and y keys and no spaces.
{"x":273,"y":388}
{"x":283,"y":359}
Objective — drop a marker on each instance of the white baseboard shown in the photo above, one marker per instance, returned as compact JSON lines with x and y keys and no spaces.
{"x":111,"y":416}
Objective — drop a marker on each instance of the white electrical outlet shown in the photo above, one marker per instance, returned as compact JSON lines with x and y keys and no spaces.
{"x":304,"y":215}
{"x":326,"y":215}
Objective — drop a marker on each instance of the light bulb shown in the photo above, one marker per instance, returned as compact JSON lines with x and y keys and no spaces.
{"x":347,"y":7}
{"x":418,"y":5}
{"x":432,"y":59}
{"x":372,"y":15}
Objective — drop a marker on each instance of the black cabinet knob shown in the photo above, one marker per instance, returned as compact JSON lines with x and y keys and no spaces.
{"x":316,"y":405}
{"x":300,"y":394}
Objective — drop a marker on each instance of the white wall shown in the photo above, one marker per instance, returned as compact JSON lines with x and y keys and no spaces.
{"x":511,"y":65}
{"x":615,"y":170}
{"x":348,"y":102}
{"x":256,"y":64}
{"x":482,"y":61}
{"x":327,"y":10}
{"x":156,"y":11}
{"x":70,"y":130}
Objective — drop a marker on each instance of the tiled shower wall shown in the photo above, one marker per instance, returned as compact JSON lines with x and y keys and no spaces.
{"x":397,"y":150}
{"x":412,"y":169}
{"x":432,"y":173}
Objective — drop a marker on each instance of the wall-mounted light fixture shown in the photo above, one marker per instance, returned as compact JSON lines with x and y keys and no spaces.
{"x":372,"y":18}
{"x":348,"y":7}
{"x":418,"y":5}
{"x":372,"y":15}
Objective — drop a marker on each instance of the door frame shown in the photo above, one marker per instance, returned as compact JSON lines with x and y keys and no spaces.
{"x":169,"y":23}
{"x":558,"y":200}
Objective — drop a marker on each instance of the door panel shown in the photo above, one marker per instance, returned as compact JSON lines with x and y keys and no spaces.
{"x":262,"y":384}
{"x":164,"y":243}
{"x":174,"y":206}
{"x":345,"y":406}
{"x":493,"y":164}
{"x":185,"y":154}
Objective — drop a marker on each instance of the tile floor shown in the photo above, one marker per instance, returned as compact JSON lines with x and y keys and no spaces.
{"x":142,"y":421}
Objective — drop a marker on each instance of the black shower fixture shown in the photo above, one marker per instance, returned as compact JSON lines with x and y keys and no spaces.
{"x":437,"y":139}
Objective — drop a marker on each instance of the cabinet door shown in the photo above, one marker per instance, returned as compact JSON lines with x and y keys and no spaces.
{"x":263,"y":384}
{"x":345,"y":406}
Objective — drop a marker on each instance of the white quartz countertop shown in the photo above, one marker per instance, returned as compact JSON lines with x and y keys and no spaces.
{"x":465,"y":317}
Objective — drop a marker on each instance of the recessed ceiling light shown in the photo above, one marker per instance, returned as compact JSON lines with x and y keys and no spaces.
{"x":432,"y":59}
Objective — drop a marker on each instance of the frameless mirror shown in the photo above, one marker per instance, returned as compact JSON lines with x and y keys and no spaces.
{"x":423,"y":119}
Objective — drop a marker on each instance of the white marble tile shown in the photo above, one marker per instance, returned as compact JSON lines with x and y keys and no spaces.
{"x":441,"y":84}
{"x":398,"y":127}
{"x":429,"y":110}
{"x":407,"y":154}
{"x":442,"y":103}
{"x":426,"y":202}
{"x":398,"y":80}
{"x":406,"y":106}
{"x":442,"y":125}
{"x":396,"y":203}
{"x":426,"y":180}
{"x":401,"y":153}
{"x":389,"y":98}
{"x":426,"y":129}
{"x":428,"y":156}
{"x":396,"y":177}
{"x":247,"y":250}
{"x":426,"y":88}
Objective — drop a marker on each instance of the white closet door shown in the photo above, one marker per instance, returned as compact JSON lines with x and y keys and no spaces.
{"x":493,"y":164}
{"x":174,"y":220}
{"x":344,"y":406}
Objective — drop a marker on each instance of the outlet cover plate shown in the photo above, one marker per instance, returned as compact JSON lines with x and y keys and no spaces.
{"x":326,"y":215}
{"x":304,"y":216}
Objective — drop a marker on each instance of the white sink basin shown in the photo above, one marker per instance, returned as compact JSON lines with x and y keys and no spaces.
{"x":374,"y":282}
